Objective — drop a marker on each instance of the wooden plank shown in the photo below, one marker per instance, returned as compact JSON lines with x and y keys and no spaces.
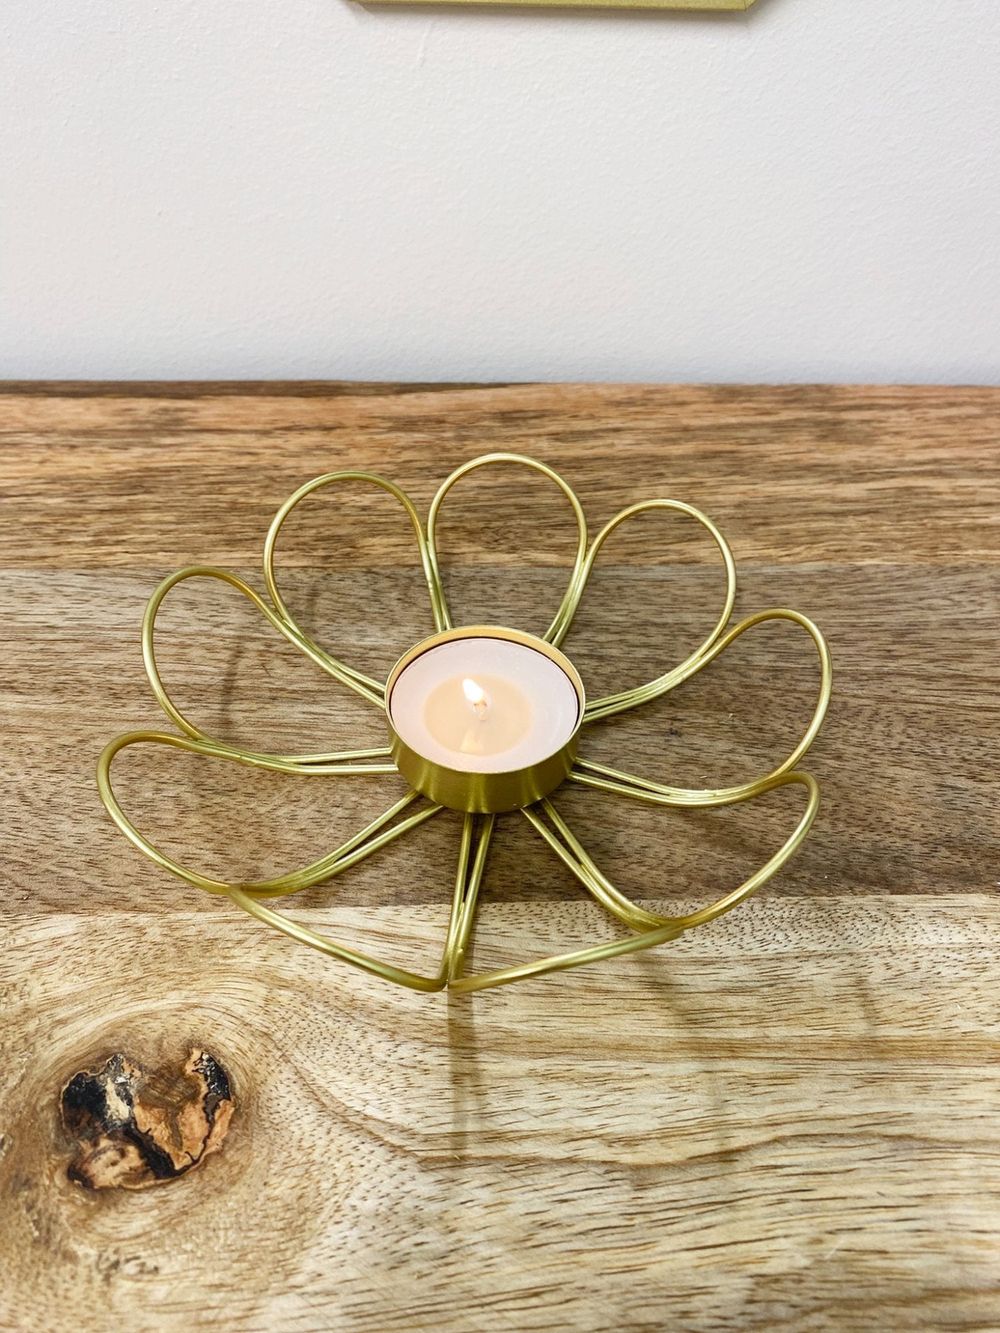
{"x":786,"y":1122}
{"x":786,"y":1119}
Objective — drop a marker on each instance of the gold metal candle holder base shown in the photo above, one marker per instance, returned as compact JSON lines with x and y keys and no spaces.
{"x":484,"y":793}
{"x":528,"y":794}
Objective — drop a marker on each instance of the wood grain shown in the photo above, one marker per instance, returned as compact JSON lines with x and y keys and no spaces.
{"x":787,"y":1120}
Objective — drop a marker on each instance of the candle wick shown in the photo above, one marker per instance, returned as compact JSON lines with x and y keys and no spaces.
{"x":477,"y":697}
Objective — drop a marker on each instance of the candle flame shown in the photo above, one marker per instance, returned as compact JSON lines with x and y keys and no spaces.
{"x":473,"y":692}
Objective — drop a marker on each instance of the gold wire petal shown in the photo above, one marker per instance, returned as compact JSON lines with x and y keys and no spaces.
{"x":556,"y":632}
{"x":653,"y":929}
{"x":608,"y":779}
{"x":616,"y":703}
{"x":479,"y":830}
{"x":370,"y":838}
{"x":283,"y":628}
{"x":364,"y":685}
{"x":575,"y":856}
{"x":467,"y":877}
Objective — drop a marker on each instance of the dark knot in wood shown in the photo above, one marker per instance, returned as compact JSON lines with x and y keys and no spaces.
{"x":136,"y":1127}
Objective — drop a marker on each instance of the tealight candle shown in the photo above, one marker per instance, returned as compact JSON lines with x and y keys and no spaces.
{"x":484,"y":718}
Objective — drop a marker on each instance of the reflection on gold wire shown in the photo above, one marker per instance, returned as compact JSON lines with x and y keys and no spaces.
{"x":477,"y":830}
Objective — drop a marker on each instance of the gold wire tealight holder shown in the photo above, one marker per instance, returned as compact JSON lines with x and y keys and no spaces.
{"x":481,"y":802}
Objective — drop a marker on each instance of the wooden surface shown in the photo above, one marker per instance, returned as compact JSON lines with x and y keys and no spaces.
{"x":787,"y":1120}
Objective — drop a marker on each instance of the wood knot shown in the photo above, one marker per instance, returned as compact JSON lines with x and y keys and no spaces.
{"x":136,"y":1127}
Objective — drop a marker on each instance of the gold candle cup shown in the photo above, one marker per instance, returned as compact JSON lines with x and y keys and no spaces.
{"x":484,"y":792}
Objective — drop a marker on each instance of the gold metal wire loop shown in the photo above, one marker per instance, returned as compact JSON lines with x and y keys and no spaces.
{"x":652,"y":929}
{"x":608,"y":779}
{"x":287,"y":630}
{"x":616,"y":703}
{"x":363,"y":684}
{"x":563,"y":618}
{"x":574,"y":855}
{"x":293,"y":881}
{"x":477,"y":837}
{"x":471,"y":859}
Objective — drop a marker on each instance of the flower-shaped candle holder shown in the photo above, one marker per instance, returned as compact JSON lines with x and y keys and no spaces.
{"x":481,"y":719}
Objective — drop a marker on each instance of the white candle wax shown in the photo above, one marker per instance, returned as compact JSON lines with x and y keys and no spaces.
{"x":484,"y":705}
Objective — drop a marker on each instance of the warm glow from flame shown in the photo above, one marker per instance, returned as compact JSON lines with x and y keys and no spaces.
{"x":475,"y":694}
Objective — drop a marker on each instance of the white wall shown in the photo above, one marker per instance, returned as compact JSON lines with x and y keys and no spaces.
{"x":306,"y":188}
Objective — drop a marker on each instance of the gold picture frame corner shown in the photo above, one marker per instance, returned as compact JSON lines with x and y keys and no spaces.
{"x":678,"y":6}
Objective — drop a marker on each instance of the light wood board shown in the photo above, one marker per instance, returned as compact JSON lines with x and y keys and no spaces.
{"x":787,"y":1120}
